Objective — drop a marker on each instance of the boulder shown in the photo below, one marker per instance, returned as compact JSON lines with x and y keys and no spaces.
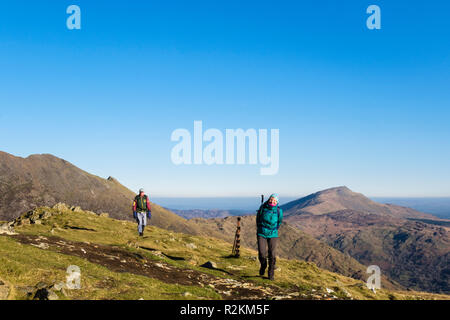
{"x":41,"y":245}
{"x":61,"y":206}
{"x":7,"y":229}
{"x":58,"y":286}
{"x":209,"y":265}
{"x":40,"y":285}
{"x":4,"y":291}
{"x":191,"y":246}
{"x":26,"y":291}
{"x":46,"y":292}
{"x":52,"y":295}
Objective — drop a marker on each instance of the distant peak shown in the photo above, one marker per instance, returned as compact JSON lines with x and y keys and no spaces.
{"x":45,"y":157}
{"x":337,"y":189}
{"x":41,"y":155}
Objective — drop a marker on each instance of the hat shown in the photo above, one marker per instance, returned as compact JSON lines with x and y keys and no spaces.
{"x":274,"y":195}
{"x":141,"y":190}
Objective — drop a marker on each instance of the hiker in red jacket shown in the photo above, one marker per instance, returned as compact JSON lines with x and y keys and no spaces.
{"x":141,"y":211}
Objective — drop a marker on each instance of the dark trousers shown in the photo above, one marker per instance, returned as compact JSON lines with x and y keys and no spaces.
{"x":263,"y":253}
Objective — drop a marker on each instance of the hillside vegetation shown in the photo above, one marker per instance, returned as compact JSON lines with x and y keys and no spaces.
{"x":293,"y":244}
{"x":410,"y":249}
{"x":44,"y":180}
{"x":37,"y":248}
{"x":337,"y":229}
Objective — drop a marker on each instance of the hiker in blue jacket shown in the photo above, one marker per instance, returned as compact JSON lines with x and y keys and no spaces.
{"x":268,"y":221}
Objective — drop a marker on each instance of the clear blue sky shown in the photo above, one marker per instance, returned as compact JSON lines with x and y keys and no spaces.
{"x":366,"y":109}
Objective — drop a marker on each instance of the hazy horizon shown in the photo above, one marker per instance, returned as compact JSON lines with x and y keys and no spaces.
{"x":438,"y":206}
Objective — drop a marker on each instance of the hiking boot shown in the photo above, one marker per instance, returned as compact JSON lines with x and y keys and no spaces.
{"x":262,"y":270}
{"x":141,"y":234}
{"x":272,"y":263}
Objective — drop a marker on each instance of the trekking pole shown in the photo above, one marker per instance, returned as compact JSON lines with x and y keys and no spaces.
{"x":237,"y":240}
{"x":262,"y":199}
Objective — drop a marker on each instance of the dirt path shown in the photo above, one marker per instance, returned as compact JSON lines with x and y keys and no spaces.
{"x":120,"y":260}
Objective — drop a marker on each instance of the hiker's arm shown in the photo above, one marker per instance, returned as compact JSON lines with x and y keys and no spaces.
{"x":281,"y":218}
{"x":149,"y":210}
{"x":134,"y":209}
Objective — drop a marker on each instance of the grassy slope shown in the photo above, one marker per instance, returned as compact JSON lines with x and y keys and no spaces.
{"x":44,"y":180}
{"x":40,"y":180}
{"x":412,"y":253}
{"x":294,"y":244}
{"x":24,"y":265}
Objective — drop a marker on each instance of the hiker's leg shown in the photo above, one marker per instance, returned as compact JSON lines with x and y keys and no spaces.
{"x":138,"y":220}
{"x":262,"y":254}
{"x":140,"y":224}
{"x":272,"y":256}
{"x":262,"y":249}
{"x":144,"y":221}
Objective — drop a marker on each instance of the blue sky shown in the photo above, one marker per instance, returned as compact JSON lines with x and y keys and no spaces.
{"x":369,"y":109}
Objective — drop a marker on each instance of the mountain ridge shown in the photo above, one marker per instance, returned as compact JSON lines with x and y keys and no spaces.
{"x":43,"y":180}
{"x":342,"y":198}
{"x":411,"y":247}
{"x":50,"y":180}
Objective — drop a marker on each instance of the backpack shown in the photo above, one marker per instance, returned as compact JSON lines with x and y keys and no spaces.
{"x":137,"y":198}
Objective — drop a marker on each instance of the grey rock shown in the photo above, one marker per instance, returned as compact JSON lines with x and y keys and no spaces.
{"x":41,"y":285}
{"x":75,"y":209}
{"x":52,"y":295}
{"x":44,"y":292}
{"x":191,"y":245}
{"x":7,"y":229}
{"x":25,"y":291}
{"x":41,"y":245}
{"x":61,"y":206}
{"x":209,"y":265}
{"x":4,"y":291}
{"x":41,"y":294}
{"x":58,"y":286}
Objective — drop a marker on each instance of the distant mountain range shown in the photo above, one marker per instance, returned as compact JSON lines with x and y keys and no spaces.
{"x":339,"y":230}
{"x":411,"y":246}
{"x":439,"y":207}
{"x":209,"y":213}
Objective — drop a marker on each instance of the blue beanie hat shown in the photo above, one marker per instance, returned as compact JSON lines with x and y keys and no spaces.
{"x":274,"y":195}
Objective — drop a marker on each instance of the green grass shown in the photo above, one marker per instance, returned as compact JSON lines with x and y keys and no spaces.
{"x":24,"y":265}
